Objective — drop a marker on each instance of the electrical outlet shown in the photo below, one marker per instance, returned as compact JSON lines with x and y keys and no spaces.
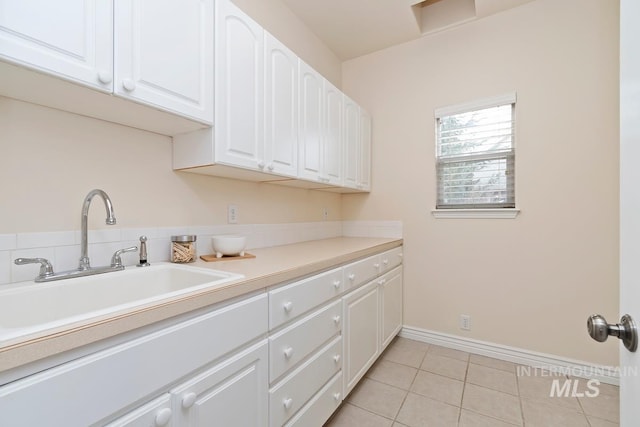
{"x":232,"y":214}
{"x":465,"y":322}
{"x":325,"y":214}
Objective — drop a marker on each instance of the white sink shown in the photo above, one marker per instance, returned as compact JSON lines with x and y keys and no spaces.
{"x":30,"y":308}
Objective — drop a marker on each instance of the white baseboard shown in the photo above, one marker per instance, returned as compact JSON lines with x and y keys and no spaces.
{"x":551,"y":363}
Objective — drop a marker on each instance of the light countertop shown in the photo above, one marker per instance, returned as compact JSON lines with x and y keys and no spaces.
{"x":271,"y":266}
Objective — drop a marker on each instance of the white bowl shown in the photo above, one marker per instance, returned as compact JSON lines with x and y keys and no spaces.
{"x":228,"y":245}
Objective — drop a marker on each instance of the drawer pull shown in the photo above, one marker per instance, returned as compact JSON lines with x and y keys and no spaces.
{"x":352,"y":277}
{"x":288,"y":352}
{"x":162,"y":417}
{"x":287,"y":306}
{"x":336,"y":358}
{"x":336,"y":284}
{"x":287,"y":402}
{"x":336,"y":319}
{"x":336,"y":396}
{"x":188,"y":400}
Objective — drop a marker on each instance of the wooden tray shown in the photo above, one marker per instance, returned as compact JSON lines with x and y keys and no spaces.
{"x":212,"y":257}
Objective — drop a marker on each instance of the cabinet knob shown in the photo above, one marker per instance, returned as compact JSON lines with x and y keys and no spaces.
{"x":287,"y":403}
{"x":287,"y":306}
{"x":128,"y":84}
{"x":336,"y":396}
{"x":188,"y":400}
{"x":336,"y":319}
{"x":376,"y":266}
{"x":105,"y":77}
{"x":400,"y":254}
{"x":288,"y":352}
{"x":385,"y":261}
{"x":336,"y":358}
{"x":271,"y":166}
{"x":261,"y":164}
{"x":162,"y":417}
{"x":382,"y":281}
{"x":336,"y":284}
{"x":352,"y":277}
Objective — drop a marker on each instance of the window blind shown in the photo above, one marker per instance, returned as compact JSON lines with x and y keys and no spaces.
{"x":476,"y":158}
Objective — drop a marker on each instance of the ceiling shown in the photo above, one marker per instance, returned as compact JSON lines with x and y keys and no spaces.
{"x":352,"y":28}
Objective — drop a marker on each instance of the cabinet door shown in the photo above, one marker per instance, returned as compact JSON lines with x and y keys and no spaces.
{"x":361,"y":333}
{"x":72,"y":39}
{"x":239,"y":88}
{"x":155,"y":413}
{"x":351,"y":141}
{"x":281,"y":108}
{"x":164,"y":55}
{"x":364,"y":166}
{"x":233,"y":393}
{"x":332,"y":138}
{"x":311,"y":123}
{"x":391,"y":301}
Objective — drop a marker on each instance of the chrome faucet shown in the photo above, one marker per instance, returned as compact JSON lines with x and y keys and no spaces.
{"x":84,"y":269}
{"x":111,"y":220}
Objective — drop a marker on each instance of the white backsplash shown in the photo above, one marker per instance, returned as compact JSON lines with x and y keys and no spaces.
{"x":62,"y":248}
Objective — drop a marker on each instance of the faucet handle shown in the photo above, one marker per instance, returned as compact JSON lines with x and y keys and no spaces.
{"x":46,"y":269}
{"x":116,"y":261}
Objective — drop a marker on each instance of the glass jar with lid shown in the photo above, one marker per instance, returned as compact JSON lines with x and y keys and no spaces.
{"x":183,"y":248}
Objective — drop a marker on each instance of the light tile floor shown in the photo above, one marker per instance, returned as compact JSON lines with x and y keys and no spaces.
{"x":416,"y":384}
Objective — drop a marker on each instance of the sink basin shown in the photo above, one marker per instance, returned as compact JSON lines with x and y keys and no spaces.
{"x":31,"y":308}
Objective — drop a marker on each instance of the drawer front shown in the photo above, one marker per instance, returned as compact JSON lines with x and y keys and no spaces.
{"x":321,"y":406}
{"x":390,"y":259}
{"x":293,"y":344}
{"x":288,"y":302}
{"x":154,"y":361}
{"x":298,"y":387}
{"x":362,"y":271}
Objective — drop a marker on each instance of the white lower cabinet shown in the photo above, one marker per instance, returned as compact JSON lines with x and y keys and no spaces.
{"x":97,"y":388}
{"x":290,"y":394}
{"x":231,"y":394}
{"x":321,"y":406}
{"x":390,"y":286}
{"x":227,"y":367}
{"x":361,"y":333}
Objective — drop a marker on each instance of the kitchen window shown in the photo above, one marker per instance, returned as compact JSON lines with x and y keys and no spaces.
{"x":475,"y":155}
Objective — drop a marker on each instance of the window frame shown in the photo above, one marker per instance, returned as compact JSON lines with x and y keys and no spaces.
{"x":483,"y":210}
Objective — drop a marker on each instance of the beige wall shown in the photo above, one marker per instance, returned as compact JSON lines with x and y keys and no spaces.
{"x":278,"y":20}
{"x":51,"y":159}
{"x":529,"y":282}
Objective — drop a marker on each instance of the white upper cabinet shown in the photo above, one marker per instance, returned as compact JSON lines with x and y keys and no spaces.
{"x":357,"y":146}
{"x":311,"y":123}
{"x":332,"y":141}
{"x":72,"y":39}
{"x":164,"y":55}
{"x":351,"y":142}
{"x":281,"y":108}
{"x":364,"y":157}
{"x":320,"y":146}
{"x":239,"y":89}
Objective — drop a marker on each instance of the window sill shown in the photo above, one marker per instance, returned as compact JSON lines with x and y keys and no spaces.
{"x":476,"y":213}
